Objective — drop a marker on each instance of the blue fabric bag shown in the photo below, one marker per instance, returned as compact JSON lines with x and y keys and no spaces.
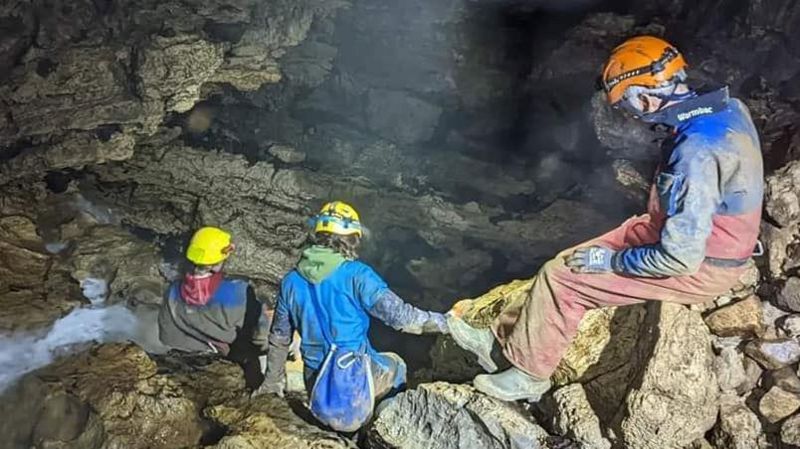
{"x":343,"y":396}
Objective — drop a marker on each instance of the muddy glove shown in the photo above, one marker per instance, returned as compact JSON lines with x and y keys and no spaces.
{"x":593,"y":259}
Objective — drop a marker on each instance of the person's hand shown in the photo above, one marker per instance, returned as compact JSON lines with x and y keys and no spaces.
{"x":592,"y":259}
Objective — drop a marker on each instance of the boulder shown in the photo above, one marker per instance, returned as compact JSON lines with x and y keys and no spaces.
{"x":268,"y":421}
{"x":742,"y":318}
{"x":738,"y":426}
{"x":445,"y":416}
{"x":788,"y":297}
{"x":116,"y":396}
{"x":778,"y":404}
{"x":23,"y":261}
{"x":673,"y":397}
{"x":774,"y":354}
{"x":574,"y":418}
{"x":790,"y":433}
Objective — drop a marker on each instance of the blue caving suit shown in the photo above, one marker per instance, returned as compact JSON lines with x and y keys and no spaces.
{"x":350,"y":292}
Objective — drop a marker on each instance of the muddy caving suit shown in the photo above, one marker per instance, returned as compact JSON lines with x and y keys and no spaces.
{"x":349,"y":296}
{"x":230,"y":321}
{"x":692,"y":245}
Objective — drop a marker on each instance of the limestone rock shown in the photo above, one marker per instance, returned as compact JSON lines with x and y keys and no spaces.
{"x":575,"y":419}
{"x":742,"y":318}
{"x":74,"y":151}
{"x":23,"y":263}
{"x":127,"y":264}
{"x":738,"y":426}
{"x":674,"y":399}
{"x":777,"y":242}
{"x":174,"y":69}
{"x":445,"y":416}
{"x":786,"y":379}
{"x":781,"y":193}
{"x":790,"y":432}
{"x":729,"y":369}
{"x":124,"y":401}
{"x":778,"y":404}
{"x":789,"y":296}
{"x":791,"y":325}
{"x":287,"y":154}
{"x":268,"y":422}
{"x":774,"y":354}
{"x":399,"y":117}
{"x":753,"y":373}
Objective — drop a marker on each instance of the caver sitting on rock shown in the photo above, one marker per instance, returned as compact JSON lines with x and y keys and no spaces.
{"x":208,"y":312}
{"x":329,"y":298}
{"x":701,"y":227}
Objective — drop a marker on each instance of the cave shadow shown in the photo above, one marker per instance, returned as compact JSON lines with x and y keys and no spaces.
{"x":642,"y":348}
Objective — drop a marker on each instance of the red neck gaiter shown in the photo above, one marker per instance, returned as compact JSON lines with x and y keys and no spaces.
{"x":198,"y":290}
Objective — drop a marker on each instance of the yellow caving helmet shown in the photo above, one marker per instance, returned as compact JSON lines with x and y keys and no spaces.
{"x":646,"y":61}
{"x":209,"y":246}
{"x":337,"y":218}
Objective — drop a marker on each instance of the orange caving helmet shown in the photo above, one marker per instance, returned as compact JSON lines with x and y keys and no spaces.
{"x":642,"y":61}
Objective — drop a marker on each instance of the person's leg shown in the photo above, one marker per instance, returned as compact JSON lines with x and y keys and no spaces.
{"x":388,"y":374}
{"x":535,"y":336}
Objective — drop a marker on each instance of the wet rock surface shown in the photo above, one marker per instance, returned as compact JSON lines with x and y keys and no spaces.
{"x":116,"y":396}
{"x":441,"y":415}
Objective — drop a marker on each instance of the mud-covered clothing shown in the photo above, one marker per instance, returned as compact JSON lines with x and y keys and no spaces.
{"x":350,"y":294}
{"x":212,"y":324}
{"x":706,"y":199}
{"x":535,"y":335}
{"x":702,"y":225}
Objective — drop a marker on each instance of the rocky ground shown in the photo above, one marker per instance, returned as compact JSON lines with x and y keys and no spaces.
{"x":469,"y":136}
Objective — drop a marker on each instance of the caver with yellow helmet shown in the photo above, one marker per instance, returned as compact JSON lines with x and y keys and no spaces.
{"x":700,"y":230}
{"x":207,"y":312}
{"x":328,"y":299}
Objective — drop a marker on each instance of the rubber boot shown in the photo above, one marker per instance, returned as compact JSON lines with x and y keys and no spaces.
{"x":477,"y":341}
{"x":512,"y":385}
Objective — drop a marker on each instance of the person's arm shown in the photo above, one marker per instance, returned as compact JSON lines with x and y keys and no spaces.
{"x":382,"y":303}
{"x":256,"y":320}
{"x":691,"y":184}
{"x":280,"y":338}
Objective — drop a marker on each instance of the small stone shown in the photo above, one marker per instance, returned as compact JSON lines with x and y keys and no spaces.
{"x":771,"y":314}
{"x":742,"y":318}
{"x":778,"y":404}
{"x":788,"y":297}
{"x":786,"y":379}
{"x":790,"y":325}
{"x":790,"y":433}
{"x":287,"y":154}
{"x":774,"y":354}
{"x":729,"y":369}
{"x":738,"y":426}
{"x":752,"y":372}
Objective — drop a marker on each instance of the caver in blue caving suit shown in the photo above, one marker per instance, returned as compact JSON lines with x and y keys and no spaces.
{"x":349,"y":292}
